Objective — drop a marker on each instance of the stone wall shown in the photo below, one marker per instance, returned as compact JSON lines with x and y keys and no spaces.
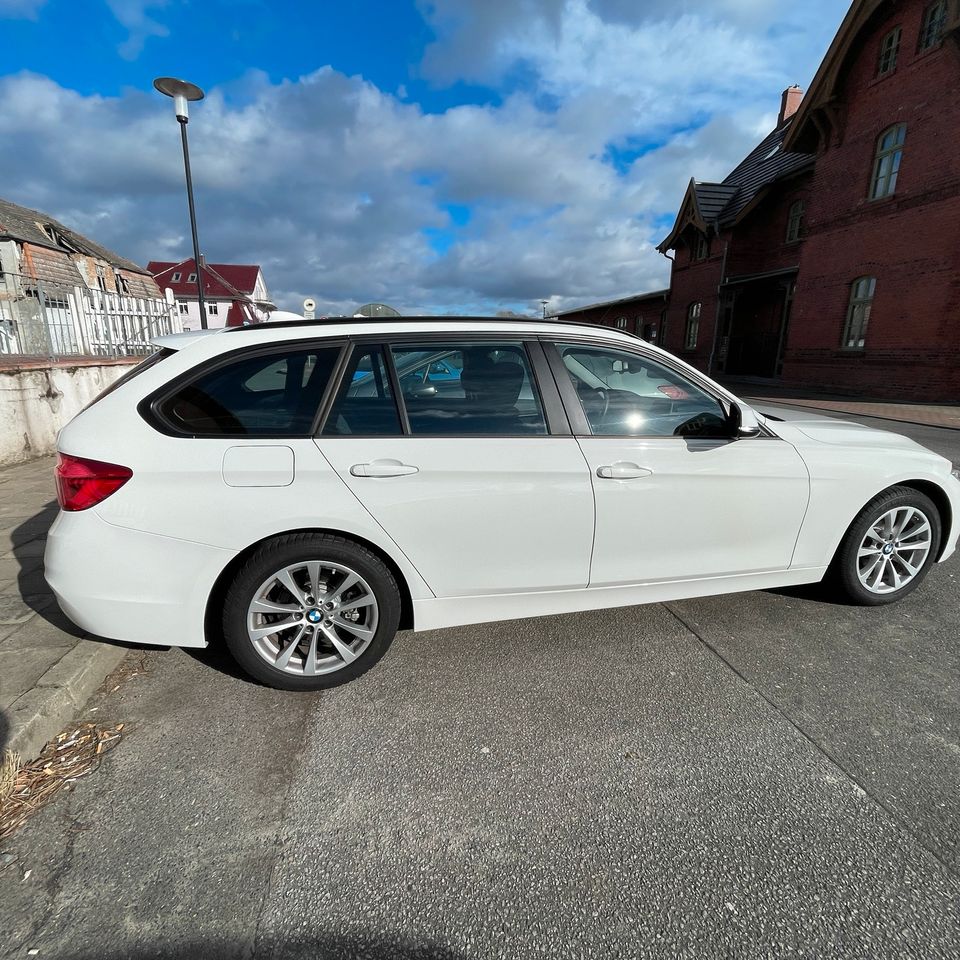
{"x":37,"y":399}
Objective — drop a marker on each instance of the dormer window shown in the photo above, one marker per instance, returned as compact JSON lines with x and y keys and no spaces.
{"x":175,"y":278}
{"x":192,"y":278}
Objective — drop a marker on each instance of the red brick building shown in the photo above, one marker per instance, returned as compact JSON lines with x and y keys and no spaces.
{"x":642,"y":314}
{"x":830,"y":257}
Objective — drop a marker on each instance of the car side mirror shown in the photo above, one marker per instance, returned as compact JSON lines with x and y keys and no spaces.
{"x":743,"y":422}
{"x":422,"y":392}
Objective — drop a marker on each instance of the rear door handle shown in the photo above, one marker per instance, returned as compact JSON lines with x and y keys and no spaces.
{"x":622,"y":470}
{"x":383,"y":468}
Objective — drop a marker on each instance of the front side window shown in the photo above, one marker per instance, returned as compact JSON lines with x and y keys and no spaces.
{"x":886,"y":165}
{"x":693,"y":326}
{"x":858,"y":313}
{"x":625,"y":395}
{"x":256,"y":395}
{"x":469,"y":389}
{"x":889,"y":48}
{"x":795,"y":221}
{"x":931,"y":29}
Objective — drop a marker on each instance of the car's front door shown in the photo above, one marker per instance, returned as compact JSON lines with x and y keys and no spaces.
{"x":677,"y":496}
{"x":475,"y":478}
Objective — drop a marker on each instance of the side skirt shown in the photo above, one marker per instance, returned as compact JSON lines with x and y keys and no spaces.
{"x":434,"y":614}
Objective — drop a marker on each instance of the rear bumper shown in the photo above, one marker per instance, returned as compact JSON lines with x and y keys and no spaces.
{"x":127,"y":585}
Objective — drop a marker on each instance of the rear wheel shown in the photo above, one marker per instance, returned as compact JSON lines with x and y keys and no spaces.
{"x":310,"y":611}
{"x":889,"y":548}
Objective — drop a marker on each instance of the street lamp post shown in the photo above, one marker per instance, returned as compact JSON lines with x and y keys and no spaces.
{"x":181,"y":92}
{"x":544,"y":304}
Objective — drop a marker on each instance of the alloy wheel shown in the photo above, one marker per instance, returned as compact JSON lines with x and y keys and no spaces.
{"x":894,"y":549}
{"x":312,"y":618}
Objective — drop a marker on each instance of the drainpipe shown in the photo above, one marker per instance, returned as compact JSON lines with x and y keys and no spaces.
{"x":716,"y":321}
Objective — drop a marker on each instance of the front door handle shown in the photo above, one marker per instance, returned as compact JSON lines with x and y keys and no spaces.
{"x":383,"y":468}
{"x":622,"y":470}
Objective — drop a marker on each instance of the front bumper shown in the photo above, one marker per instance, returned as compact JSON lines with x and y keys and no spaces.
{"x":127,"y":585}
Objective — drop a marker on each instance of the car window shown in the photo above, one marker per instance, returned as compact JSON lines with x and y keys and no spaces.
{"x":624,"y":394}
{"x":262,"y":394}
{"x":365,"y":405}
{"x":469,"y":389}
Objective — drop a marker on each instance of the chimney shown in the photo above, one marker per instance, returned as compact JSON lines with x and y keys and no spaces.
{"x":789,"y":103}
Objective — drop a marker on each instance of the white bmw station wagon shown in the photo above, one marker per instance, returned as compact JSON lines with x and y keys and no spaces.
{"x":301,"y":491}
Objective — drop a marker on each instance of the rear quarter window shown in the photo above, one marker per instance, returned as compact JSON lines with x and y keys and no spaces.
{"x":141,"y":367}
{"x":263,"y":394}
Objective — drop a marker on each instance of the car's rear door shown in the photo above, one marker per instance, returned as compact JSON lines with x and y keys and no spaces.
{"x":475,"y":477}
{"x":678,"y":496}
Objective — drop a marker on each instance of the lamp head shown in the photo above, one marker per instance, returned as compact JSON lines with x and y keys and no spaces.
{"x":181,"y":91}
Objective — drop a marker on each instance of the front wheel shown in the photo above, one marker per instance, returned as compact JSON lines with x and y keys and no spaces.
{"x":310,"y":611}
{"x":889,"y":548}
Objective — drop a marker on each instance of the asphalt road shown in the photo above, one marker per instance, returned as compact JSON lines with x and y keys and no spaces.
{"x":760,"y":775}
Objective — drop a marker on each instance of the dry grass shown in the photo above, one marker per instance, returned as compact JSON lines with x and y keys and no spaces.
{"x":25,"y":788}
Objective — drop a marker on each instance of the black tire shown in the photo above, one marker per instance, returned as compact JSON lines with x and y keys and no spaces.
{"x":273,"y":556}
{"x":844,"y":571}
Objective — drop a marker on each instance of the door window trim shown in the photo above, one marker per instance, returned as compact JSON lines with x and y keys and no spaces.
{"x":541,"y":380}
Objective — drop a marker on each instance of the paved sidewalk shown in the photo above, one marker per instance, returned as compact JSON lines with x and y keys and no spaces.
{"x":47,"y":668}
{"x":924,"y":414}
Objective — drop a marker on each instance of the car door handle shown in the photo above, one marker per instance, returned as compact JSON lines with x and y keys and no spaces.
{"x":383,"y":468}
{"x":622,"y":470}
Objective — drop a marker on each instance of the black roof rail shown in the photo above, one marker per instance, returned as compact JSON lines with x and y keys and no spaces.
{"x":366,"y":321}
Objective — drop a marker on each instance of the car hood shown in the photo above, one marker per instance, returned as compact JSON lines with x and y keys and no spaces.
{"x":844,"y":433}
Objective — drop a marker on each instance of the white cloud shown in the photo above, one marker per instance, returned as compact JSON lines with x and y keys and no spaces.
{"x":342,"y":190}
{"x":133,"y":15}
{"x":20,"y":9}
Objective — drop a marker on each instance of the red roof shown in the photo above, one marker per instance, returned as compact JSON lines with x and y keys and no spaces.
{"x":219,"y":279}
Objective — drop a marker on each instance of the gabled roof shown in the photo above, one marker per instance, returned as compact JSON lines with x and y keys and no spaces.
{"x":711,"y":206}
{"x":33,"y":226}
{"x":220,"y":279}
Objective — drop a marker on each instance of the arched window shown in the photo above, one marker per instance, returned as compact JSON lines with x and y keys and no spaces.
{"x":693,"y":326}
{"x":858,"y":313}
{"x":621,"y":323}
{"x":931,"y":29}
{"x":794,"y":221}
{"x":701,"y":247}
{"x":886,"y":164}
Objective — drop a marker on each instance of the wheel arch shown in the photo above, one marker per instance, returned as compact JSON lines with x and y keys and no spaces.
{"x":221,"y":584}
{"x":942,"y":502}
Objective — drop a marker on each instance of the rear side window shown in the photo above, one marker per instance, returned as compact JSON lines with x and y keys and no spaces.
{"x":257,"y":395}
{"x":469,"y":389}
{"x":141,"y":367}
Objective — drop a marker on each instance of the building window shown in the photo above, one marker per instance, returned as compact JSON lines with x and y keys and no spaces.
{"x":621,"y":323}
{"x":886,"y":165}
{"x":889,"y":48}
{"x":183,"y":309}
{"x":693,"y":326}
{"x":192,"y":278}
{"x":858,"y":313}
{"x":213,"y":309}
{"x":101,"y":279}
{"x":934,"y":20}
{"x":701,"y":247}
{"x":795,"y":221}
{"x":175,"y":278}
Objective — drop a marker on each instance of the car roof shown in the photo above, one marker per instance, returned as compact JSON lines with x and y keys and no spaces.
{"x":229,"y":338}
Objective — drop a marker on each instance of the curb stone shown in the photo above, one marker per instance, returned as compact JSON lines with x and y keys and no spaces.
{"x":59,"y":695}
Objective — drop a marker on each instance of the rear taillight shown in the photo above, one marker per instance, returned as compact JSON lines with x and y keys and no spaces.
{"x":83,"y":483}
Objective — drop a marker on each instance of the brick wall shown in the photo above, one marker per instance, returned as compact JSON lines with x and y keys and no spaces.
{"x":910,"y":242}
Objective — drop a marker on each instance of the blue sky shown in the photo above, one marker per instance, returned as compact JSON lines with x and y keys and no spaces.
{"x":441,"y":155}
